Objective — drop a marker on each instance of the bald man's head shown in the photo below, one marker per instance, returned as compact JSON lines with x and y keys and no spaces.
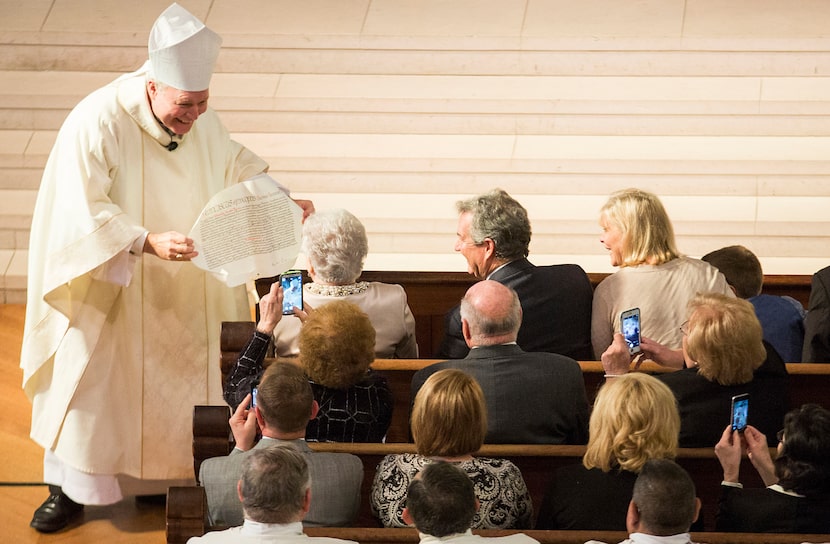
{"x":492,"y":313}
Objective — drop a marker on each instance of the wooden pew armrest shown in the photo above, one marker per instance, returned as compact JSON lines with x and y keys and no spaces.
{"x":186,"y":514}
{"x":212,"y":435}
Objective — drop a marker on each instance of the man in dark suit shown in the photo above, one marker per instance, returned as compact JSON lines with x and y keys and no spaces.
{"x":494,"y":235}
{"x":284,"y":405}
{"x":817,"y":322}
{"x":532,"y":398}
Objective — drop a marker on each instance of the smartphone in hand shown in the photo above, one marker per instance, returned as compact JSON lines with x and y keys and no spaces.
{"x":630,"y":320}
{"x":740,"y":412}
{"x":292,"y":291}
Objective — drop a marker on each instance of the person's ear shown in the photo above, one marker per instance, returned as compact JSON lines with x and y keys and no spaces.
{"x":465,"y":330}
{"x":698,"y":505}
{"x":489,"y":248}
{"x":307,"y":501}
{"x":259,"y":419}
{"x":478,"y":504}
{"x":407,"y":517}
{"x":239,"y":490}
{"x":315,"y":409}
{"x":632,"y":518}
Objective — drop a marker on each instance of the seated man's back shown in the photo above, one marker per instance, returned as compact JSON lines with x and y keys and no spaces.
{"x":335,"y":486}
{"x":283,"y":408}
{"x":531,"y":397}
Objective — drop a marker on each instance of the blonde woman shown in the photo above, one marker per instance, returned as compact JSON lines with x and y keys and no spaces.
{"x":724,"y":355}
{"x":449,"y":421}
{"x":634,"y":419}
{"x":653,"y":275}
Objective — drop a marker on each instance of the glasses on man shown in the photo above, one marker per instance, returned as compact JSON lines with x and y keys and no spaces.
{"x":684,"y":328}
{"x":780,"y":435}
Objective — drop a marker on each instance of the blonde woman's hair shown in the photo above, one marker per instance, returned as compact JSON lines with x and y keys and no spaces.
{"x":337,"y":345}
{"x":634,"y":419}
{"x":449,"y":416}
{"x":725,"y":338}
{"x":647,"y":232}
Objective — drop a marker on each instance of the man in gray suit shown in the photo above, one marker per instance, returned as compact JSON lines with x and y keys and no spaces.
{"x":532,"y":398}
{"x":284,"y":405}
{"x":275,"y":492}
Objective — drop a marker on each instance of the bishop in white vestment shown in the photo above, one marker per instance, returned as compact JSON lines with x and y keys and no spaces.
{"x":121,"y":335}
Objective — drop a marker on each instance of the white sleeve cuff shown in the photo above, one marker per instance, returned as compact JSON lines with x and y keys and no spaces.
{"x":138,"y":245}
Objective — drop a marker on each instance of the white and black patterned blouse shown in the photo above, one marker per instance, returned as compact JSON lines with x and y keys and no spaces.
{"x":361,"y":413}
{"x":499,"y":487}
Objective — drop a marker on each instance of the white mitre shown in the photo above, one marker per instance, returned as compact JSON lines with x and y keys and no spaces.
{"x":182,"y":50}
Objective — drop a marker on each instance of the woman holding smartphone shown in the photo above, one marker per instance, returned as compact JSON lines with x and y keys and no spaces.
{"x":796,"y":498}
{"x":724,"y":356}
{"x":653,"y":275}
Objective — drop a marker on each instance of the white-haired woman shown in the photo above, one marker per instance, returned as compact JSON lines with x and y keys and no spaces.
{"x":335,"y":244}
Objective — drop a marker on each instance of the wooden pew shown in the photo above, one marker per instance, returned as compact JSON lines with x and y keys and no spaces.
{"x":809,"y":382}
{"x":537,"y":462}
{"x":432,"y":294}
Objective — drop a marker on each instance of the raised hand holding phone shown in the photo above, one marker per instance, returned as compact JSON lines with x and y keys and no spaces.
{"x":292,"y":288}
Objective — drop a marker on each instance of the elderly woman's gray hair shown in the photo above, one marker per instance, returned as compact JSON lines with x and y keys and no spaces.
{"x":336,"y":245}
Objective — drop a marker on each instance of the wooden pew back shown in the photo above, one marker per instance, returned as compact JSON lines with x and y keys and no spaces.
{"x":432,"y":294}
{"x":537,"y":462}
{"x":809,"y":382}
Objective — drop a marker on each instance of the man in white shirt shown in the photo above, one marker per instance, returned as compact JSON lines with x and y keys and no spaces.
{"x":663,"y":505}
{"x":275,"y":491}
{"x":441,"y":504}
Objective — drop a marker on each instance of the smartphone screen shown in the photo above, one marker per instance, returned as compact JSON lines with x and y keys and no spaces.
{"x":253,"y":396}
{"x":292,"y":291}
{"x":740,"y":412}
{"x":631,"y":329}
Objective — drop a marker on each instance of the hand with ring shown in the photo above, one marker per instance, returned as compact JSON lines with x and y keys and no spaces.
{"x":170,"y":246}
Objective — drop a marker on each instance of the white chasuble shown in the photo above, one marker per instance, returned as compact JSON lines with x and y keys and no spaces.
{"x":114,"y":371}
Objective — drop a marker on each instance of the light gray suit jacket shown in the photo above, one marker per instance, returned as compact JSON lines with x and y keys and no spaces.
{"x":335,"y":486}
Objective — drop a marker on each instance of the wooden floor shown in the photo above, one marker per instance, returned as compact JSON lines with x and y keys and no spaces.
{"x":21,"y":468}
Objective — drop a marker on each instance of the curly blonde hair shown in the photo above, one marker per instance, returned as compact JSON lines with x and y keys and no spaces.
{"x":449,"y":416}
{"x":337,"y":345}
{"x":635,"y":418}
{"x":725,"y":338}
{"x":647,"y":232}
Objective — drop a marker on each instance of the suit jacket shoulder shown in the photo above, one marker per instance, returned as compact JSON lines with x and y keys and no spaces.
{"x":532,"y":398}
{"x":556,"y":307}
{"x":335,"y":484}
{"x":817,"y":322}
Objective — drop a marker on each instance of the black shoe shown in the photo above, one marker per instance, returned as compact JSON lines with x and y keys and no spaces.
{"x":56,"y":512}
